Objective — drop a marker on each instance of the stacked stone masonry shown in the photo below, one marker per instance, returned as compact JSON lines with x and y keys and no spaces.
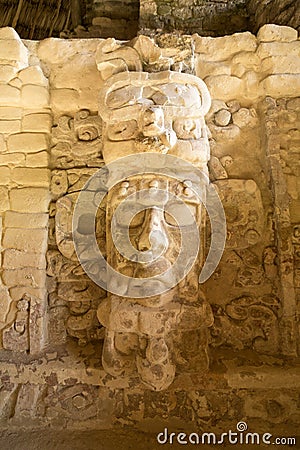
{"x":51,"y":142}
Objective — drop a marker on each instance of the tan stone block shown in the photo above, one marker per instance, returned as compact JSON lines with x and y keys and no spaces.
{"x":207,"y":68}
{"x":31,"y":177}
{"x":295,"y":211}
{"x":266,"y":49}
{"x":24,"y":277}
{"x":3,"y":146}
{"x":16,"y":83}
{"x":58,"y":51}
{"x":281,"y":64}
{"x":8,"y":33}
{"x":281,"y":85}
{"x":4,"y":200}
{"x":79,"y":72}
{"x":224,"y":87}
{"x":65,"y":100}
{"x":5,"y":301}
{"x":34,"y":96}
{"x":243,"y":62}
{"x":13,"y":52}
{"x":4,"y":176}
{"x":10,"y":113}
{"x":13,"y":219}
{"x":27,"y":240}
{"x":40,"y":159}
{"x":37,"y":122}
{"x":222,"y":48}
{"x":31,"y":200}
{"x":12,"y":159}
{"x":27,"y":142}
{"x":7,"y":73}
{"x":17,"y":292}
{"x":9,"y":95}
{"x":292,"y":186}
{"x":33,"y":75}
{"x":10,"y":126}
{"x":272,"y":32}
{"x":14,"y":259}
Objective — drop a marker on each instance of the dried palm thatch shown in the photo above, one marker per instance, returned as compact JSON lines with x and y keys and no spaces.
{"x":36,"y":19}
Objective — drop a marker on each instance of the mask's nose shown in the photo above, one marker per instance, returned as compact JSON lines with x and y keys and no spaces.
{"x":153,"y":235}
{"x":152,"y":122}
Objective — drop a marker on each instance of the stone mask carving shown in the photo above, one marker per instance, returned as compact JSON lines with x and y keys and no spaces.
{"x":160,"y":112}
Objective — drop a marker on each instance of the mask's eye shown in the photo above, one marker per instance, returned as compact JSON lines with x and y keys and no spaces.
{"x":123,"y":131}
{"x":178,"y":215}
{"x":187,"y":128}
{"x":124,"y":217}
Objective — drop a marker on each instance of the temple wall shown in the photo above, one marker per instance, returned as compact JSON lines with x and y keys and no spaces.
{"x":51,"y":143}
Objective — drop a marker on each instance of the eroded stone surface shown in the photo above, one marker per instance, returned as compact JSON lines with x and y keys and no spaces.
{"x":252,"y":128}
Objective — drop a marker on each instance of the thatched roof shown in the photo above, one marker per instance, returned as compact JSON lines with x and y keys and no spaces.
{"x":36,"y":19}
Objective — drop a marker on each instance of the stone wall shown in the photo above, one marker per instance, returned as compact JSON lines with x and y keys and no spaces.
{"x":51,"y":369}
{"x":208,"y":18}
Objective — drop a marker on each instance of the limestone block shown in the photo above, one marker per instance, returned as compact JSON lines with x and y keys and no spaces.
{"x":7,"y":73}
{"x":77,"y":73}
{"x":295,"y":211}
{"x":58,"y":51}
{"x":40,"y":159}
{"x":14,"y":219}
{"x":24,"y":277}
{"x":9,"y":33}
{"x":244,"y":212}
{"x":31,"y":200}
{"x":3,"y":146}
{"x":206,"y":68}
{"x":4,"y":201}
{"x":27,"y":142}
{"x":9,"y":95}
{"x":27,"y":240}
{"x":10,"y":113}
{"x":272,"y":32}
{"x":5,"y":301}
{"x":40,"y":123}
{"x":30,"y":177}
{"x":266,"y":49}
{"x":10,"y":126}
{"x":65,"y":100}
{"x":224,"y":87}
{"x":223,"y":117}
{"x":282,"y":64}
{"x":294,"y":104}
{"x":14,"y":259}
{"x":17,"y":292}
{"x":281,"y":85}
{"x":245,"y":117}
{"x":13,"y":52}
{"x":4,"y":175}
{"x":222,"y":48}
{"x":33,"y":75}
{"x":34,"y":96}
{"x":12,"y":159}
{"x":16,"y":82}
{"x":243,"y":62}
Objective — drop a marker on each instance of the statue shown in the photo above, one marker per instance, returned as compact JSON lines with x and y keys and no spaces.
{"x":161,"y":112}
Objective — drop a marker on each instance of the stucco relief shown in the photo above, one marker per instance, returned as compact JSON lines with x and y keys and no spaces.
{"x":160,"y":112}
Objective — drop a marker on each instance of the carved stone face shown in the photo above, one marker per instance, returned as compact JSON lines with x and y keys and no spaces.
{"x":153,"y":232}
{"x":155,"y":113}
